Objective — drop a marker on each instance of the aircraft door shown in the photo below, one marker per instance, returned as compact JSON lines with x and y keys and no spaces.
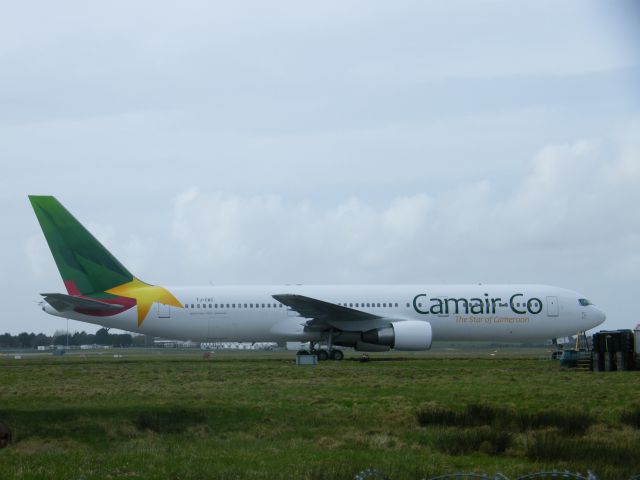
{"x":164,"y":311}
{"x":552,"y":307}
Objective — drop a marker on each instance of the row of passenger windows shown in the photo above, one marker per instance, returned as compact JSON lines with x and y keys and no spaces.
{"x":233,"y":305}
{"x":279,"y":305}
{"x":369,"y":305}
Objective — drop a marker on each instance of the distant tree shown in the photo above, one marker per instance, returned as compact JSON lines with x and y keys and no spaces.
{"x":122,"y":339}
{"x":83,"y":338}
{"x":24,"y":340}
{"x":7,"y":341}
{"x":41,"y":340}
{"x":59,"y":337}
{"x":102,"y":337}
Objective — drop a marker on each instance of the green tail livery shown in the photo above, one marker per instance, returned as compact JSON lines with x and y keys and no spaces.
{"x":97,"y":283}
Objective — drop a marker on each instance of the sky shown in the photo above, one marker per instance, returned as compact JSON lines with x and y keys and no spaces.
{"x":333,"y":142}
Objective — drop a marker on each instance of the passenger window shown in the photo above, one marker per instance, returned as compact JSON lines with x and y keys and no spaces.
{"x":408,"y":305}
{"x":192,"y":305}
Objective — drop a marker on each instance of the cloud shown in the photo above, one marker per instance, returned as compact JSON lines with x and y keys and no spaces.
{"x":573,"y":204}
{"x":265,"y":233}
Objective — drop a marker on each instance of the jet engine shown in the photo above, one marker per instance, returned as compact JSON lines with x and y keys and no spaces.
{"x":407,"y":335}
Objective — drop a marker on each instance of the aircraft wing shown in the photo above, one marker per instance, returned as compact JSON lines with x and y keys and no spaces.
{"x":62,"y":303}
{"x":321,"y":312}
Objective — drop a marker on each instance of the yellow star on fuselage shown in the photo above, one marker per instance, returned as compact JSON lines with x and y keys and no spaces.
{"x":145,"y":295}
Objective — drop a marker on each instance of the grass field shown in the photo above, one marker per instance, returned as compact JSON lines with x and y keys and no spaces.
{"x":258,"y":416}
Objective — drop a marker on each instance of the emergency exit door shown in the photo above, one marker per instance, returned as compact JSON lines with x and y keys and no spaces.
{"x":164,"y":311}
{"x":552,"y":307}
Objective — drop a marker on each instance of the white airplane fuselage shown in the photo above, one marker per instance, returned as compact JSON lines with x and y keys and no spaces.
{"x":510,"y":313}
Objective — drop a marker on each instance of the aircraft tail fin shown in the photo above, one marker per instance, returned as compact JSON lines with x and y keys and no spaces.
{"x":85,"y":265}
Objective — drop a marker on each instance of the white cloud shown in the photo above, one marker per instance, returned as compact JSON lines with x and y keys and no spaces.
{"x":573,"y":205}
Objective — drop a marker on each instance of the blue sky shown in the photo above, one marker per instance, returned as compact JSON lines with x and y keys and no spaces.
{"x":341,"y":142}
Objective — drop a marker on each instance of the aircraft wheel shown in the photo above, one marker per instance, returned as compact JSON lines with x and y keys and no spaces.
{"x":322,"y":355}
{"x":336,"y":355}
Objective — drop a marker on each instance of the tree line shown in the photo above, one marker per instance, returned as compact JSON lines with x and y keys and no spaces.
{"x":101,"y":337}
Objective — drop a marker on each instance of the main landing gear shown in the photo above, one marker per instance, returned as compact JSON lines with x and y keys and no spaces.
{"x":333,"y":354}
{"x":323,"y":353}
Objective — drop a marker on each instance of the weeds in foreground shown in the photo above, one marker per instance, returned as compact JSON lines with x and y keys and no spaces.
{"x":483,"y":439}
{"x":631,"y":417}
{"x":550,"y":446}
{"x":169,"y":421}
{"x":569,"y":422}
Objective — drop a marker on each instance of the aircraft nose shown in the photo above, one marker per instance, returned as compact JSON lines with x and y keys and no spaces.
{"x":598,"y":316}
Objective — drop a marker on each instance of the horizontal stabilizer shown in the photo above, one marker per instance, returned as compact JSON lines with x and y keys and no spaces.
{"x":62,"y":303}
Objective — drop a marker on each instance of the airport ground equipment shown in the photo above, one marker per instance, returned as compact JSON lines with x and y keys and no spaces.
{"x":579,"y":357}
{"x":610,"y":351}
{"x":614,"y":350}
{"x":306,"y":359}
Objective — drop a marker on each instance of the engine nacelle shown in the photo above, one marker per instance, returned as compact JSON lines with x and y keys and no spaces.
{"x":407,"y":335}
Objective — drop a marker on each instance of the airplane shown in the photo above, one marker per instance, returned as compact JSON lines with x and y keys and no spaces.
{"x":370,"y":318}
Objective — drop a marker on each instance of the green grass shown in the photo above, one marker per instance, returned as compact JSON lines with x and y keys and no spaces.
{"x":259,"y":416}
{"x":568,"y":421}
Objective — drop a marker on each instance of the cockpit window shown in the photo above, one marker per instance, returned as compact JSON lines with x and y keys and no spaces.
{"x":584,"y":302}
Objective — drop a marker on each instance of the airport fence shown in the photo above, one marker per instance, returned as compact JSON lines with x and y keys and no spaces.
{"x":375,"y":474}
